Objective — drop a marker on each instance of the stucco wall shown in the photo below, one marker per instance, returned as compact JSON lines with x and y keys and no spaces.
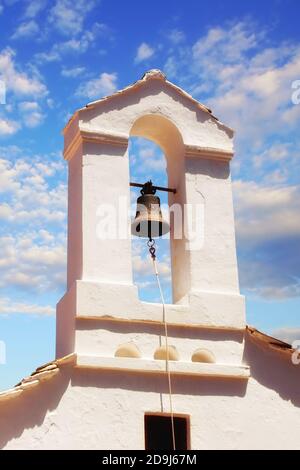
{"x":89,"y":409}
{"x":94,"y":338}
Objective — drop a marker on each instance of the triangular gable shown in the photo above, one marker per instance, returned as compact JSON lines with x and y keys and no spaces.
{"x":153,"y":74}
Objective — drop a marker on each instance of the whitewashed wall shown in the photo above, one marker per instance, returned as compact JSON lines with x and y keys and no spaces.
{"x":96,"y":410}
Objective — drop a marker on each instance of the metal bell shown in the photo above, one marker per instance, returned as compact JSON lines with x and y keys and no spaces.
{"x":148,"y":222}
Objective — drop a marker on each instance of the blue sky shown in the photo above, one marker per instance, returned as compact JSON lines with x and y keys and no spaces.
{"x":239,"y":58}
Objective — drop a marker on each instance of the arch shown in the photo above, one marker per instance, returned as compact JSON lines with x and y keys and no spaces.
{"x":161,"y":130}
{"x":164,"y":133}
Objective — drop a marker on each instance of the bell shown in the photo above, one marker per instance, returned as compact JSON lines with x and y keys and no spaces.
{"x":148,"y":222}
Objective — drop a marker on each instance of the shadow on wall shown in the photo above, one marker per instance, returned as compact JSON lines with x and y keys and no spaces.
{"x":202,"y":386}
{"x":176,"y":331}
{"x":273,"y":370}
{"x":269,"y":368}
{"x":30,"y":408}
{"x":211,"y":168}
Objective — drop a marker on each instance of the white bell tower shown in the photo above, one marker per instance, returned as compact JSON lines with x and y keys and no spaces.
{"x":101,"y":303}
{"x":115,"y":384}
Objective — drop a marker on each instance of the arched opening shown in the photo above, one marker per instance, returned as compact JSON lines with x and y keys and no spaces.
{"x":147,"y":162}
{"x":156,"y":152}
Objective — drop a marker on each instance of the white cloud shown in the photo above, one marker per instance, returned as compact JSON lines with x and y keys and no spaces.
{"x":32,"y":263}
{"x":106,"y":84}
{"x":276,"y":177}
{"x":268,"y":236}
{"x":50,"y":103}
{"x":266,"y":212}
{"x":28,"y":106}
{"x":25,"y":30}
{"x":144,"y":52}
{"x":276,"y":152}
{"x":291,"y":116}
{"x":50,"y":256}
{"x":231,"y":42}
{"x":155,"y":164}
{"x":8,"y":127}
{"x":257,"y":95}
{"x":288,"y":335}
{"x":46,"y":236}
{"x":149,"y":158}
{"x":171,"y":67}
{"x":68,"y":16}
{"x":143,"y":266}
{"x":7,"y":306}
{"x":34,"y":119}
{"x":31,"y":113}
{"x":244,"y":81}
{"x":176,"y":36}
{"x":23,"y":182}
{"x":50,"y":56}
{"x":33,"y":221}
{"x":72,"y":72}
{"x":75,"y":46}
{"x":18,"y":82}
{"x":34,"y":7}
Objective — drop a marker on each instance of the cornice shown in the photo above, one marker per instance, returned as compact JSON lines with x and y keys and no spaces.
{"x":208,"y":153}
{"x":86,"y":135}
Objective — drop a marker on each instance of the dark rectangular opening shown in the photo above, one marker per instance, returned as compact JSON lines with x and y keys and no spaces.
{"x":158,"y":431}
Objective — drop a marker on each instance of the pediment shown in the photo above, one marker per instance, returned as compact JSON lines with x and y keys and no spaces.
{"x":152,"y":83}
